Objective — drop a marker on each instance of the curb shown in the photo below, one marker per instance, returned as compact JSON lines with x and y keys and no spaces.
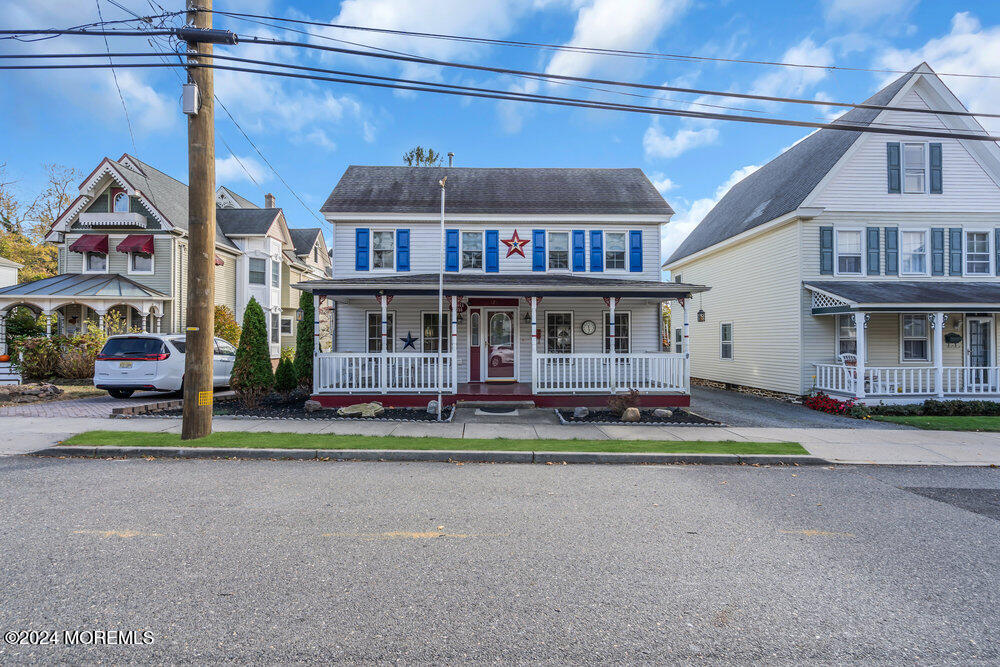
{"x":437,"y":455}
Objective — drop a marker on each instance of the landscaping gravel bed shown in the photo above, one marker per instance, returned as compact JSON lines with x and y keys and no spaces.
{"x":678,"y":417}
{"x":277,"y":408}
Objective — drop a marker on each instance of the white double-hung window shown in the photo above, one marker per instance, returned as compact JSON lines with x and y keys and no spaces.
{"x":915,"y":339}
{"x":472,"y":250}
{"x":383,"y":250}
{"x":257,"y":271}
{"x":977,"y":253}
{"x":847,"y":335}
{"x":913,"y":252}
{"x":915,"y":168}
{"x":558,"y":250}
{"x":849,"y":248}
{"x":614,"y":251}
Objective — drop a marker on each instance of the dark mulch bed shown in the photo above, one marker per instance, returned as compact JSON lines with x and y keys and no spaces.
{"x":607,"y":416}
{"x":277,"y":407}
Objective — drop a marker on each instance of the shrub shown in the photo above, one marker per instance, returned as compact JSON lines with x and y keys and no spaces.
{"x":849,"y":408}
{"x":22,"y":323}
{"x":252,"y":376}
{"x":37,"y":357}
{"x":226,"y":326}
{"x":285,"y":380}
{"x":619,"y":403}
{"x":304,"y":340}
{"x":80,"y":351}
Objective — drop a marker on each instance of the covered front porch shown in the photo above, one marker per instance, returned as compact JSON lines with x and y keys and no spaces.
{"x":552,"y":340}
{"x":906,"y":342}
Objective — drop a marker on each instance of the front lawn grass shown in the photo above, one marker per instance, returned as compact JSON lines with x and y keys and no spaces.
{"x":329,"y":441}
{"x":946,"y":423}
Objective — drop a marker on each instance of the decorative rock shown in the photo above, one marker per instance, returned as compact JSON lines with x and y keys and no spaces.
{"x":631,"y":415}
{"x":663,"y":413}
{"x":432,"y":407}
{"x":580,"y":413}
{"x":373,"y":409}
{"x":312,"y":406}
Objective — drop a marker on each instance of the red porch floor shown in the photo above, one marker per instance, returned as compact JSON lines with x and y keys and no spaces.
{"x":513,"y":391}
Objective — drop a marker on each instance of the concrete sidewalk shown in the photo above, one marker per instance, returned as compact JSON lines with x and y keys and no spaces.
{"x":23,"y":435}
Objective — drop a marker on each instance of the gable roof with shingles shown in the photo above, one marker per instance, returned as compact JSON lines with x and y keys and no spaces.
{"x":543,"y":191}
{"x":781,"y":185}
{"x":245,"y":221}
{"x":238,"y":198}
{"x":303,"y":239}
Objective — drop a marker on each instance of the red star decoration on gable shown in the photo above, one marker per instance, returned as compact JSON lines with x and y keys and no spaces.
{"x":515,"y":244}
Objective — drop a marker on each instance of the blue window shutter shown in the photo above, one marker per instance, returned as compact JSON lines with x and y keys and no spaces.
{"x":538,"y":252}
{"x":891,"y":251}
{"x":893,"y":166}
{"x":451,"y":250}
{"x":361,"y":245}
{"x":492,"y":259}
{"x":635,"y":251}
{"x":874,"y":252}
{"x":579,"y":250}
{"x":955,"y":251}
{"x":937,"y":251}
{"x":402,"y":249}
{"x":826,"y":251}
{"x":936,"y":173}
{"x":596,"y":250}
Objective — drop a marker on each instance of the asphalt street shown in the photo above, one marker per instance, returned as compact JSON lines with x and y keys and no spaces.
{"x":283,"y":562}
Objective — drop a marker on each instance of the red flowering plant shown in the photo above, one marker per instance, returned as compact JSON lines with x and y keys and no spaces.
{"x":849,"y":408}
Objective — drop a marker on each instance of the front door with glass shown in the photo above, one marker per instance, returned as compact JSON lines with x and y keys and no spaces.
{"x":979,"y":357}
{"x":499,"y":349}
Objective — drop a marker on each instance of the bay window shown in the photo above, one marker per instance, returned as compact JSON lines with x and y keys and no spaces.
{"x":275,"y":328}
{"x":275,"y":273}
{"x":258,"y":271}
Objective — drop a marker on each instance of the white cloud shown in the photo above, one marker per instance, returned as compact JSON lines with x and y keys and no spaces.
{"x":967,"y":48}
{"x":662,"y":183}
{"x":687,"y":219}
{"x":793,"y":81}
{"x":612,"y":24}
{"x":229,"y":170}
{"x":865,"y":11}
{"x":659,"y":144}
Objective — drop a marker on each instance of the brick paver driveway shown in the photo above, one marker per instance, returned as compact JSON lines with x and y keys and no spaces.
{"x":97,"y":406}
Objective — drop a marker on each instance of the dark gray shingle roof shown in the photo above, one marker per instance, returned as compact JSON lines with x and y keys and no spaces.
{"x":912,"y":292}
{"x":303,"y":239}
{"x":245,"y":221}
{"x":365,"y":189}
{"x":781,"y":185}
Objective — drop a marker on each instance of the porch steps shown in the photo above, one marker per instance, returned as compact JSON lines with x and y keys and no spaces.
{"x":507,"y":405}
{"x":8,"y":375}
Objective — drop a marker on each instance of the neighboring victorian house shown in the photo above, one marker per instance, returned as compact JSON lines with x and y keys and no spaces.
{"x":858,"y":264}
{"x":551,"y":283}
{"x":123,"y":247}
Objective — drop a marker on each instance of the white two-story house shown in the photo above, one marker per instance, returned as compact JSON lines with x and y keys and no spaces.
{"x":551,"y":282}
{"x":860,"y":264}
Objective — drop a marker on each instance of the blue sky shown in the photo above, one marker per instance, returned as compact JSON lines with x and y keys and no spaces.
{"x":311,"y":131}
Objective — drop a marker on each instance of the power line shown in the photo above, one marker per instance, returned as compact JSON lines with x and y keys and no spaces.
{"x":588,"y":49}
{"x":390,"y":82}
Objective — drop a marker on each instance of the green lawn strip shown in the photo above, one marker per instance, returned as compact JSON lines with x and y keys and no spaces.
{"x":946,"y":423}
{"x":329,"y":441}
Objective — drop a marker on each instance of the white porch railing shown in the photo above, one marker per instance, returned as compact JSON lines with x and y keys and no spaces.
{"x":568,"y":373}
{"x":373,"y":373}
{"x":909,"y":381}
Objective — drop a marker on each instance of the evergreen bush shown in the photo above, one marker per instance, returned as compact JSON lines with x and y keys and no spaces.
{"x":285,"y":380}
{"x":252,"y":376}
{"x":304,"y":340}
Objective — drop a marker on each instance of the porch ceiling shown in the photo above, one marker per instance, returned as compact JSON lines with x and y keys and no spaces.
{"x":501,"y":285}
{"x":920,"y":296}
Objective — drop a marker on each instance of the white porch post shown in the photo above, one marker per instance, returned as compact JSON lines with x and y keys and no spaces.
{"x":612,"y":380}
{"x":145,"y":321}
{"x":534,"y":342}
{"x":3,"y":332}
{"x":454,"y":342}
{"x":860,"y":324}
{"x":938,"y":324}
{"x":687,"y":347}
{"x":383,"y":358}
{"x":315,"y":343}
{"x":48,"y":323}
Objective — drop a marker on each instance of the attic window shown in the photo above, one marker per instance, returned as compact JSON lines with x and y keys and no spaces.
{"x":120,"y":203}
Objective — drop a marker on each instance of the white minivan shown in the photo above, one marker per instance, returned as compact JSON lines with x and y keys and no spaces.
{"x":153,"y":362}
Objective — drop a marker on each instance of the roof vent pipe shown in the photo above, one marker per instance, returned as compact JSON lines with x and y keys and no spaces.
{"x":451,"y":159}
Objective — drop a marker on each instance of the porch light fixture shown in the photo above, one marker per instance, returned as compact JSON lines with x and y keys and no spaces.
{"x":701,"y":315}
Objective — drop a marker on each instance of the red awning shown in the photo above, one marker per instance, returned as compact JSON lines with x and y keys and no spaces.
{"x":91,"y":243}
{"x":137,"y":243}
{"x":218,"y":261}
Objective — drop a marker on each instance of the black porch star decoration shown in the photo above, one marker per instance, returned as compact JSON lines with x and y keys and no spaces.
{"x":408,"y":340}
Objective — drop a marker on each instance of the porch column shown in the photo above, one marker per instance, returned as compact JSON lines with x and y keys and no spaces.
{"x":315,"y":372}
{"x":454,"y":342}
{"x":48,"y":323}
{"x":145,"y":321}
{"x":687,"y":346}
{"x":3,"y":332}
{"x":860,"y":324}
{"x":937,"y":323}
{"x":612,"y":380}
{"x":383,"y":359}
{"x":159,"y":323}
{"x":534,"y":341}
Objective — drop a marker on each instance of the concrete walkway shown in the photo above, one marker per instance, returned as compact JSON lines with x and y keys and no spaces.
{"x":24,"y":434}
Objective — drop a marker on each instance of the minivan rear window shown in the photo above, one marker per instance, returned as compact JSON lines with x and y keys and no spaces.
{"x":178,"y":343}
{"x":132,"y":347}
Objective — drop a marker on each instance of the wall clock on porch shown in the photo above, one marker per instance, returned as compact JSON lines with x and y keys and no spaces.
{"x":588,"y":327}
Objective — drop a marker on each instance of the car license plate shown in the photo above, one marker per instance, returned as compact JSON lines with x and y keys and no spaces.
{"x":124,"y":364}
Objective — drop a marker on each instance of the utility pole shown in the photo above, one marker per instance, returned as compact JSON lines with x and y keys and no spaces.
{"x":200,"y":344}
